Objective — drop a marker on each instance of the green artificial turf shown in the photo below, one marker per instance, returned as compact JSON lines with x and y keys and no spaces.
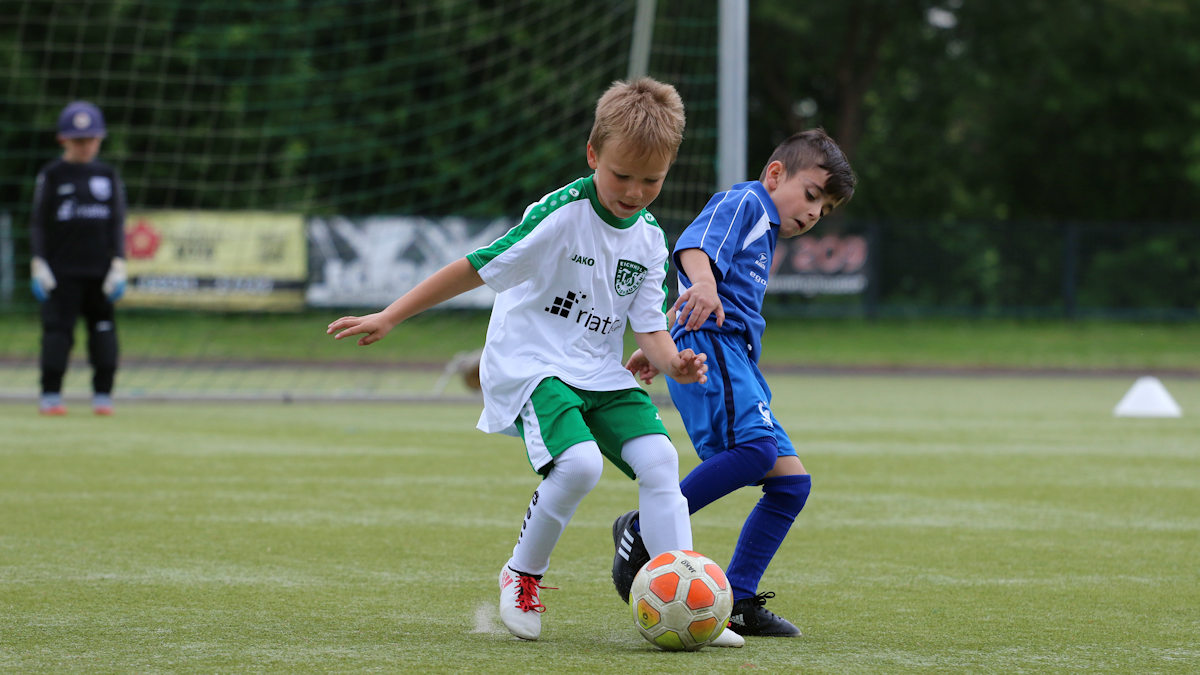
{"x":986,"y":524}
{"x":435,"y":337}
{"x":289,"y":356}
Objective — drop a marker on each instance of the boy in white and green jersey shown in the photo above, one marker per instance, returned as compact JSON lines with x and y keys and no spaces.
{"x":586,"y":262}
{"x":571,"y":275}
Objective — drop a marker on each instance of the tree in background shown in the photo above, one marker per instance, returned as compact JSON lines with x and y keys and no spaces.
{"x":1024,"y":110}
{"x":1073,"y":109}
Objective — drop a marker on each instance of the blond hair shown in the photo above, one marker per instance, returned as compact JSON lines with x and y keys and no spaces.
{"x":645,"y":113}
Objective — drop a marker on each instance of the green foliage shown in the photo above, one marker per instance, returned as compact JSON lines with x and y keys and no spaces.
{"x":1027,"y":112}
{"x":979,"y":130}
{"x":352,"y":108}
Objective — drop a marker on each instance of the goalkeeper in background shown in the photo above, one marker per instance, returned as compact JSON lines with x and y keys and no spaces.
{"x":78,"y":238}
{"x":586,"y":262}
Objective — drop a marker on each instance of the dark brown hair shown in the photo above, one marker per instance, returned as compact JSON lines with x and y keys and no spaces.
{"x":814,"y":148}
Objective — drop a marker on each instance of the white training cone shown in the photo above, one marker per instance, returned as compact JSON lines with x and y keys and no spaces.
{"x":1147,"y":398}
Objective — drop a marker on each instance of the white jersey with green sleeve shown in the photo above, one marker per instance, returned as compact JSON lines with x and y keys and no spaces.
{"x":569,"y":278}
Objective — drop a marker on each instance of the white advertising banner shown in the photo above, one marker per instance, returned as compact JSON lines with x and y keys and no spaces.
{"x":371,"y":261}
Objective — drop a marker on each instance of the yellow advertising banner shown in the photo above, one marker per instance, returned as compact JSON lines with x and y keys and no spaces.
{"x":223,"y":260}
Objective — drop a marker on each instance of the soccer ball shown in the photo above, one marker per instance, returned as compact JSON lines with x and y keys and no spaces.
{"x":681,"y":600}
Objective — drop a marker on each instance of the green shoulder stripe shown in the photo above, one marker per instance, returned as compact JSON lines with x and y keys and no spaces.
{"x":666,"y":263}
{"x":535,"y":214}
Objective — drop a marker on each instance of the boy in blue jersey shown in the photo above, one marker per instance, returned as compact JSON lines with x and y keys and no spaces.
{"x":724,"y":259}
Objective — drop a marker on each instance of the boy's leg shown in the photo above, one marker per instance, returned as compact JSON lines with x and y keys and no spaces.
{"x":662,"y":506}
{"x":715,"y":477}
{"x":784,"y":496}
{"x":729,"y":420}
{"x":631,"y":434}
{"x":741,"y":443}
{"x":665,"y":525}
{"x":59,"y":312}
{"x":102,"y":345}
{"x":575,"y":472}
{"x":560,"y":447}
{"x":726,"y":471}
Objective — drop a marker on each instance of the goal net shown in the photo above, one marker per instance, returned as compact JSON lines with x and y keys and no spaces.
{"x":289,"y":162}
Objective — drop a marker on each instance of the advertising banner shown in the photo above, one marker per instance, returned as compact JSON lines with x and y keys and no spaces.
{"x":831,"y":264}
{"x":222,"y":260}
{"x":371,"y":261}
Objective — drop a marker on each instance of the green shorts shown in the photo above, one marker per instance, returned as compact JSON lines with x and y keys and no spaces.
{"x":558,"y":416}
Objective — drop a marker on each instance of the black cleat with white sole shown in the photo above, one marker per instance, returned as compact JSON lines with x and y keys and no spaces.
{"x":750,"y":617}
{"x":630,"y":556}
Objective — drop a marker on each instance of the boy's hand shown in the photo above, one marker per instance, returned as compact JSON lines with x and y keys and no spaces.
{"x":42,"y":280}
{"x":372,"y":328}
{"x":641,"y":367}
{"x":114,"y":281}
{"x":689,"y":367}
{"x":696,"y":304}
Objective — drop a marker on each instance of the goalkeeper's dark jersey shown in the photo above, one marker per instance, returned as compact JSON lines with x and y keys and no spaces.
{"x":78,"y":222}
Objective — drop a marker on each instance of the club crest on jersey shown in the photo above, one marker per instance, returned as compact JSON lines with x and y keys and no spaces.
{"x":101,"y":187}
{"x":630,"y":276}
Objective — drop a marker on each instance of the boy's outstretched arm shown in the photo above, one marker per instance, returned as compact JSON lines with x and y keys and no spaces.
{"x":684,"y":366}
{"x":454,"y":279}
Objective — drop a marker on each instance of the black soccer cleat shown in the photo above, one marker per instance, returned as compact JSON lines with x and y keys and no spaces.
{"x":750,"y":617}
{"x":630,"y":556}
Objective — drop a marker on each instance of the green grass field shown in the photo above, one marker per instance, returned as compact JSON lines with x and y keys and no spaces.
{"x":436,"y":336}
{"x":167,"y":356}
{"x":985,"y":524}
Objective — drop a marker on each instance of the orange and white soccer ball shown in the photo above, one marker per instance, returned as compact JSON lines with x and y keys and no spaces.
{"x":681,"y":600}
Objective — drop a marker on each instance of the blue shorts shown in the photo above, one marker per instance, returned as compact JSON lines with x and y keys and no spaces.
{"x":734,"y":406}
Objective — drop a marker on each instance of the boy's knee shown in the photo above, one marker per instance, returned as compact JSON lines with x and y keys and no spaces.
{"x":102,"y":348}
{"x":761,"y":452}
{"x":56,"y":348}
{"x":652,"y":458}
{"x":788,"y":492}
{"x":579,"y":467}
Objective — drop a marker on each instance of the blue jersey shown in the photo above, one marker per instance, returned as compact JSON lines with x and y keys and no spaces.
{"x":738,"y":230}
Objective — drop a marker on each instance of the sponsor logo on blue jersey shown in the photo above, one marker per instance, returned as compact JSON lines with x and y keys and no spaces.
{"x":766,"y":414}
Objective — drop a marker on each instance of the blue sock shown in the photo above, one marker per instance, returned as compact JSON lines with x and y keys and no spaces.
{"x":783,"y":498}
{"x":727,"y":471}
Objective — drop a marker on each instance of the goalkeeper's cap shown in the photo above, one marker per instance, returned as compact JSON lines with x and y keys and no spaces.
{"x":81,"y":119}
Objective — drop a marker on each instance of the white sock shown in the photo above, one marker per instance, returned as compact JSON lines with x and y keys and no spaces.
{"x":664,"y":511}
{"x":576,"y":471}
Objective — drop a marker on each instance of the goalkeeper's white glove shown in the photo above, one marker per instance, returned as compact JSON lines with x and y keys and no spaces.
{"x":114,"y":283}
{"x":43,"y":281}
